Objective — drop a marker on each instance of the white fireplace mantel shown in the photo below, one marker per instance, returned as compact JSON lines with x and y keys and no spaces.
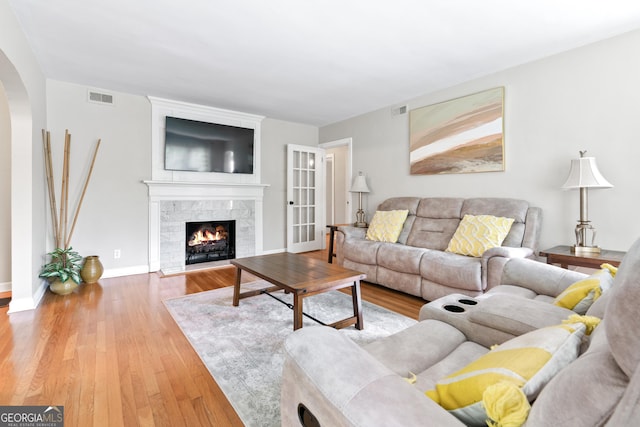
{"x":186,"y":190}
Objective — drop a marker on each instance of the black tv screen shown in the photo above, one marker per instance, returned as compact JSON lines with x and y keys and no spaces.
{"x":207,"y":147}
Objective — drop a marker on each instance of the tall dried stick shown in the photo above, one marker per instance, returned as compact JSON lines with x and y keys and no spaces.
{"x":63,"y":191}
{"x":84,"y":190}
{"x":66,"y":193}
{"x":46,"y":143}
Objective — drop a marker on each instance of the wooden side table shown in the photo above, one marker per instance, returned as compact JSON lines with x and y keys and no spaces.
{"x":562,"y":255}
{"x":332,"y":231}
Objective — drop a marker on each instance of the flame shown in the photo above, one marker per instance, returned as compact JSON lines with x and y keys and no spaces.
{"x":204,"y":236}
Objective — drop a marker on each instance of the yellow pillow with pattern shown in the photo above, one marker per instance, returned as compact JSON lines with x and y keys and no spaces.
{"x":386,"y":226}
{"x":477,"y":233}
{"x":582,"y":294}
{"x":528,"y":362}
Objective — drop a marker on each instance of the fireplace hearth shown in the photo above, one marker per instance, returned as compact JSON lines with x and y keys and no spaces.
{"x":210,"y":241}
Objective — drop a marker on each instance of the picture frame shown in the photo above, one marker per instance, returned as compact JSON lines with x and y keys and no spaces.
{"x":462,"y":135}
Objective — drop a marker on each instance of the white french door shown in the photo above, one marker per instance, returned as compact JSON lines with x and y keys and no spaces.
{"x":305,"y":198}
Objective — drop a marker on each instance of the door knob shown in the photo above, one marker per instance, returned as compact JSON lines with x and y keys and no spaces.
{"x":290,"y":202}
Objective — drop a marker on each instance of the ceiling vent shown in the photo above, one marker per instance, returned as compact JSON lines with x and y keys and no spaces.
{"x":100,"y":98}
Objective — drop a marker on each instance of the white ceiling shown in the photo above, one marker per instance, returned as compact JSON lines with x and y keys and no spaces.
{"x":307,"y":61}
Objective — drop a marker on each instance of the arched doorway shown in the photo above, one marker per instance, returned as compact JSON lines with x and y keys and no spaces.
{"x":21,"y":188}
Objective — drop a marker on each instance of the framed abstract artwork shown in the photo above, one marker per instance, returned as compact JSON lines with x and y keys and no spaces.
{"x":463,"y":135}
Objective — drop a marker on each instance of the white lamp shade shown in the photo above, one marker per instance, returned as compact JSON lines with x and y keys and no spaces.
{"x":359,"y":185}
{"x":585,"y":174}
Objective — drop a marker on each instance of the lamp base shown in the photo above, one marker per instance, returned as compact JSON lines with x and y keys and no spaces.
{"x":360,"y":219}
{"x":585,"y":249}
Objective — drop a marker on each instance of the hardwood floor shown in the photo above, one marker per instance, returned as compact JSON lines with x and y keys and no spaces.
{"x":111,"y":354}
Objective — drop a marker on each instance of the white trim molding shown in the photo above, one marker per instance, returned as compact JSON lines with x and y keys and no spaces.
{"x":161,"y":108}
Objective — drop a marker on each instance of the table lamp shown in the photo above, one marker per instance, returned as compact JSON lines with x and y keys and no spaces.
{"x":360,"y":186}
{"x":584,"y":174}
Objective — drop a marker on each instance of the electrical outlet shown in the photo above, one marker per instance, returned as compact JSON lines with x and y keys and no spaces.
{"x":116,"y":253}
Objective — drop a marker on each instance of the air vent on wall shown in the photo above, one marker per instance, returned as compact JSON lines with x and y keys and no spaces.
{"x":398,"y":111}
{"x":100,"y":98}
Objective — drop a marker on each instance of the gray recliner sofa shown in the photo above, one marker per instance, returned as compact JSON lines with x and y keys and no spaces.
{"x":418,"y":264}
{"x":329,"y":379}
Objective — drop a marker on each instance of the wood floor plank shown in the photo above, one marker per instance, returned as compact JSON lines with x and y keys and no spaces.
{"x":112,"y":354}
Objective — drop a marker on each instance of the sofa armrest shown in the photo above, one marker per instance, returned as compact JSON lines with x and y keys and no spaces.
{"x":494,"y":259}
{"x":351,"y":232}
{"x":541,"y":278}
{"x":346,"y":232}
{"x":507,"y":252}
{"x":343,"y":385}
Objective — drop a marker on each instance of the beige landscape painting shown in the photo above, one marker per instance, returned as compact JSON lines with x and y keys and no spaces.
{"x":463,"y":135}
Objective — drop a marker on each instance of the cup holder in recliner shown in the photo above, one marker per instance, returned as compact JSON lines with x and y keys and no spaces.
{"x":468,"y":301}
{"x":453,"y":308}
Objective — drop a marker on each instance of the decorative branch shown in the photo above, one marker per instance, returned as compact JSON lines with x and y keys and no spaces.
{"x":60,"y":223}
{"x":84,"y":190}
{"x":46,"y":143}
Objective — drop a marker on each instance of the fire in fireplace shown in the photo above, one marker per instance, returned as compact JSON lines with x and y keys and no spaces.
{"x":210,"y":241}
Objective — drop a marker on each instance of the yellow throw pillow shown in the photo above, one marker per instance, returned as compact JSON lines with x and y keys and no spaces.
{"x":386,"y":226}
{"x":582,"y":294}
{"x":477,"y":233}
{"x":528,"y":361}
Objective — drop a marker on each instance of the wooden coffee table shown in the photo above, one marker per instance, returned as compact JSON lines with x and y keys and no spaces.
{"x":303,"y":277}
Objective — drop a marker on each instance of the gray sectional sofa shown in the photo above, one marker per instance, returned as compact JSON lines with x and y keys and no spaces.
{"x":418,"y":264}
{"x":329,"y":378}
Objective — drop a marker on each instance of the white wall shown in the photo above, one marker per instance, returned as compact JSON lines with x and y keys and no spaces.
{"x":5,"y":193}
{"x":24,"y":85}
{"x":115,"y":210}
{"x":276,"y":134}
{"x":114,"y":213}
{"x":584,"y":99}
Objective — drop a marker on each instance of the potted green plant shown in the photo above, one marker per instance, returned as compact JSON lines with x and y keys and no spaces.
{"x":63,"y":271}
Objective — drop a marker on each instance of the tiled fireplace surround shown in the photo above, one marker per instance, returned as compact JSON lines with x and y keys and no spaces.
{"x":173,"y":204}
{"x":179,"y":197}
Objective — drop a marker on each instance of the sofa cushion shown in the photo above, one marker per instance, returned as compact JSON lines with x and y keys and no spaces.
{"x":386,"y":226}
{"x":399,"y":268}
{"x":453,"y":270}
{"x":361,"y":251}
{"x":586,"y":392}
{"x":432,"y":233}
{"x":528,"y":361}
{"x":582,"y":294}
{"x":401,"y":203}
{"x":477,"y":233}
{"x":405,"y":259}
{"x":464,"y":354}
{"x":516,"y":316}
{"x":623,"y":326}
{"x":436,"y":220}
{"x":510,"y":208}
{"x":423,"y":345}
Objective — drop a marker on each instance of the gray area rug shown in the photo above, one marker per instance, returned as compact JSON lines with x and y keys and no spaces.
{"x":242,"y":346}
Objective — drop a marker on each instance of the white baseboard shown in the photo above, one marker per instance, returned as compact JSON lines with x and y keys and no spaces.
{"x":5,"y":287}
{"x":29,"y":303}
{"x":126,"y":271}
{"x":274,"y":251}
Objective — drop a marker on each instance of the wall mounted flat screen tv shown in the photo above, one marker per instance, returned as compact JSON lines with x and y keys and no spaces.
{"x":207,"y":147}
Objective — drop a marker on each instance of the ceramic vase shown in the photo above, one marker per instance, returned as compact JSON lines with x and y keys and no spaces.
{"x":62,"y":288}
{"x":92,"y":269}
